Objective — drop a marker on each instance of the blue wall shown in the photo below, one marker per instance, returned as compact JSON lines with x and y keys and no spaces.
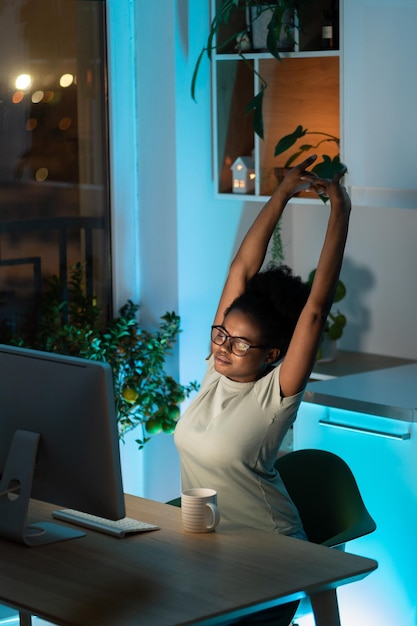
{"x":169,"y":252}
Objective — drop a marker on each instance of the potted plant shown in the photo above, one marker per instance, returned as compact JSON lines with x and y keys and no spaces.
{"x":146,"y":396}
{"x":326,"y":168}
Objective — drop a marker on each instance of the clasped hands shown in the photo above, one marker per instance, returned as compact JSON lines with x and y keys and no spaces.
{"x":299,"y":178}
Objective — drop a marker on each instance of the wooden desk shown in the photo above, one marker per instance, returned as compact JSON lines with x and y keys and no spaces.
{"x":168,"y":577}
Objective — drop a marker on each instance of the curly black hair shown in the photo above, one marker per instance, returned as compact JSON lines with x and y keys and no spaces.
{"x":274,"y":299}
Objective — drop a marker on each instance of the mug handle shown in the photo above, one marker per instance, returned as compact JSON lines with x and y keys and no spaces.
{"x":215,"y":515}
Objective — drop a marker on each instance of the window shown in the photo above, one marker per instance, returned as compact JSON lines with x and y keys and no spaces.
{"x":54,"y":180}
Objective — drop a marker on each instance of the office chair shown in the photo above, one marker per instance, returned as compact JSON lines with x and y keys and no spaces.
{"x":326,"y":494}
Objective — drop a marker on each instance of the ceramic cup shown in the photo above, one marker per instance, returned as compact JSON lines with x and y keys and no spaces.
{"x":199,"y":510}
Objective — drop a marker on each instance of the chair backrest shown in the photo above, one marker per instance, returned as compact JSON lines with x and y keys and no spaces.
{"x":326,"y":495}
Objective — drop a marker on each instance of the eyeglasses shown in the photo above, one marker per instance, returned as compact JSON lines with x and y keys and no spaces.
{"x":238,"y":346}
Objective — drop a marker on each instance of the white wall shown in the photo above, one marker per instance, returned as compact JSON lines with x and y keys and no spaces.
{"x":379,"y":141}
{"x":174,"y":240}
{"x":380,"y":138}
{"x":379,"y":271}
{"x":379,"y":93}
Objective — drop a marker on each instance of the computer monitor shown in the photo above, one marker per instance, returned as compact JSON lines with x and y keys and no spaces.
{"x":58,"y":441}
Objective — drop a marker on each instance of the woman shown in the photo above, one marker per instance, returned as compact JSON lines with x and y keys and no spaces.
{"x":228,"y":438}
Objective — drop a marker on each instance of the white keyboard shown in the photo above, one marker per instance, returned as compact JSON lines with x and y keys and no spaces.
{"x":118,"y":528}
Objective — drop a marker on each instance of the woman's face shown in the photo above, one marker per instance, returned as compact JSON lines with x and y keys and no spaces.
{"x":250,"y":366}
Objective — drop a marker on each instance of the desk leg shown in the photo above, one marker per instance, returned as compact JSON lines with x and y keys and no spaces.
{"x":325,"y":608}
{"x":25,"y":619}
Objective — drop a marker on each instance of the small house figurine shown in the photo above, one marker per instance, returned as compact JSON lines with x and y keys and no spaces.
{"x":243,"y":175}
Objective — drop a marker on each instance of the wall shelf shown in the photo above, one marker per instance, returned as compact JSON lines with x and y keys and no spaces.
{"x":305,"y":54}
{"x":302,"y":89}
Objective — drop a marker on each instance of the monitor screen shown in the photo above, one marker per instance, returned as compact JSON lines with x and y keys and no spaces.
{"x":58,"y":440}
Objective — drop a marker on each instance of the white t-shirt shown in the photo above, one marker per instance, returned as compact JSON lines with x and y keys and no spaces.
{"x":228,"y":440}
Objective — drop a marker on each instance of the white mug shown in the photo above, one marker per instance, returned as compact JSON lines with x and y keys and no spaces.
{"x":199,"y":510}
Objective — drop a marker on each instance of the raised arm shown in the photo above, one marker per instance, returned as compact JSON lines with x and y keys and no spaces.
{"x":252,"y":251}
{"x":299,"y":360}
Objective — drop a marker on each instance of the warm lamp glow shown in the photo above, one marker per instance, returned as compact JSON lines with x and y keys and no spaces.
{"x":17,"y":97}
{"x":37,"y":96}
{"x":243,"y":175}
{"x":64,"y":123}
{"x":66,"y":80}
{"x":48,"y":96}
{"x":23,"y":81}
{"x":41,"y":174}
{"x":31,"y":124}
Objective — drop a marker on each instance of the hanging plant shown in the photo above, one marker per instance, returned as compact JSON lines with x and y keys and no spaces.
{"x":226,"y":14}
{"x":277,"y":248}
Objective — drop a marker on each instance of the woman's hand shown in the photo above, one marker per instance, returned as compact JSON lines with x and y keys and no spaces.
{"x":328,"y":188}
{"x":298,"y":178}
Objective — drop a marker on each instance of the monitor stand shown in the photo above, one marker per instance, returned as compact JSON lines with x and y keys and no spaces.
{"x":15,"y":490}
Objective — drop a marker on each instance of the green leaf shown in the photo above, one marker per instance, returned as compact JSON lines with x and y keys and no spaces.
{"x":292,"y":158}
{"x":328,"y":167}
{"x":289,"y":140}
{"x":255,"y":105}
{"x":340,"y":291}
{"x":272,"y":44}
{"x":336,"y":329}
